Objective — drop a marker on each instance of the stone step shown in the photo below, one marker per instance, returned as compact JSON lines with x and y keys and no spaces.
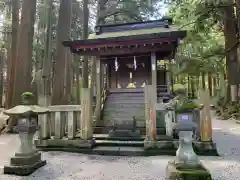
{"x":122,"y":101}
{"x":123,"y":105}
{"x":119,"y":143}
{"x":123,"y":110}
{"x":126,"y":94}
{"x":105,"y":130}
{"x":110,"y":122}
{"x":125,"y":99}
{"x":107,"y":137}
{"x":129,"y":114}
{"x":126,"y":90}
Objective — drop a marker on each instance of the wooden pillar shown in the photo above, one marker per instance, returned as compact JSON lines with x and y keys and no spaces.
{"x":44,"y":119}
{"x":93,"y":77}
{"x":154,"y":76}
{"x":98,"y":87}
{"x":109,"y":75}
{"x":205,"y":116}
{"x":168,"y":81}
{"x":113,"y":83}
{"x":86,"y":114}
{"x":103,"y":71}
{"x":150,"y":112}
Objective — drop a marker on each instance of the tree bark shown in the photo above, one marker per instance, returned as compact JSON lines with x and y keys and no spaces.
{"x":203,"y":81}
{"x":101,"y":10}
{"x":210,"y":84}
{"x":23,"y":66}
{"x":85,"y":81}
{"x":231,"y":49}
{"x":63,"y":34}
{"x":23,"y":71}
{"x":44,"y":82}
{"x":12,"y":60}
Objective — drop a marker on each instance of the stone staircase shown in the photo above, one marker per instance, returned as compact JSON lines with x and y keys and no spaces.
{"x":121,"y":106}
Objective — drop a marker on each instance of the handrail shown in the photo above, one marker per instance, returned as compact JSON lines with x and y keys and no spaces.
{"x":103,"y":95}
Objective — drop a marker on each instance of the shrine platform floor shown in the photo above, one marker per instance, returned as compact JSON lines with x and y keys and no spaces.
{"x":127,"y":146}
{"x":75,"y":166}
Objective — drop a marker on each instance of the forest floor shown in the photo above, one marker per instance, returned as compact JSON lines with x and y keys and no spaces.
{"x":72,"y":166}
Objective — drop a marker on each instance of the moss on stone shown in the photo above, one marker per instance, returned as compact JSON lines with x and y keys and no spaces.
{"x":177,"y":173}
{"x":186,"y":105}
{"x":27,"y":98}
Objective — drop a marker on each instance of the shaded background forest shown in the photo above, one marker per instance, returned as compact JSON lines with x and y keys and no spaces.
{"x":34,"y":59}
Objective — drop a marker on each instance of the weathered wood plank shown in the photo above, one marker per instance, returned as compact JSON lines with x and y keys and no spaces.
{"x":150,"y":112}
{"x":64,"y":108}
{"x":44,"y":123}
{"x":58,"y":126}
{"x":71,"y":125}
{"x":86,"y":115}
{"x":205,"y":116}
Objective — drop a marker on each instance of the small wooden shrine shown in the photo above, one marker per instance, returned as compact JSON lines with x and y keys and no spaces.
{"x":130,"y":56}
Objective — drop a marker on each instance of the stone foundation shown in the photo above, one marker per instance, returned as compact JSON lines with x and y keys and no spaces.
{"x":124,"y":133}
{"x":173,"y":172}
{"x":65,"y":143}
{"x":24,"y":164}
{"x":200,"y":148}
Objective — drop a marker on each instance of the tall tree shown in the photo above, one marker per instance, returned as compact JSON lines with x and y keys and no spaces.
{"x":12,"y":60}
{"x":44,"y":76}
{"x":23,"y":70}
{"x":63,"y":33}
{"x":23,"y":65}
{"x":85,"y":36}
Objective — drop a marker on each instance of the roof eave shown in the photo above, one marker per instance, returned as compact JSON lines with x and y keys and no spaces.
{"x":176,"y":34}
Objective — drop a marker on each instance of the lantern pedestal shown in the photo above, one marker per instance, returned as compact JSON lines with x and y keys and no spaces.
{"x":27,"y":159}
{"x":175,"y":172}
{"x":186,"y":164}
{"x":24,"y":164}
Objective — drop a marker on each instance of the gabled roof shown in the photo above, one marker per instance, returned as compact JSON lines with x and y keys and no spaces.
{"x":137,"y":33}
{"x":159,"y":30}
{"x":135,"y":29}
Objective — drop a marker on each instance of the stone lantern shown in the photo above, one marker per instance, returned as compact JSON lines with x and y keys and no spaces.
{"x":186,"y":164}
{"x":28,"y":159}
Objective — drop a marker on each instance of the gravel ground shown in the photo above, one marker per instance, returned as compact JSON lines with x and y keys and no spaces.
{"x":71,"y":166}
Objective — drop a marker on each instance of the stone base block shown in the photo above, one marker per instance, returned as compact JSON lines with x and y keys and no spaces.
{"x":64,"y":142}
{"x":205,"y":145}
{"x":24,"y":165}
{"x":200,"y":148}
{"x":19,"y":160}
{"x":124,"y":133}
{"x":183,"y":173}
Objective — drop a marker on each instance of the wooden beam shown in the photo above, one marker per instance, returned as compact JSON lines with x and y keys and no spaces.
{"x":125,"y":50}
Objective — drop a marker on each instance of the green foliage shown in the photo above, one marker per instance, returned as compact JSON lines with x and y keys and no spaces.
{"x":179,"y":89}
{"x":203,"y":48}
{"x":27,"y":98}
{"x":186,"y":105}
